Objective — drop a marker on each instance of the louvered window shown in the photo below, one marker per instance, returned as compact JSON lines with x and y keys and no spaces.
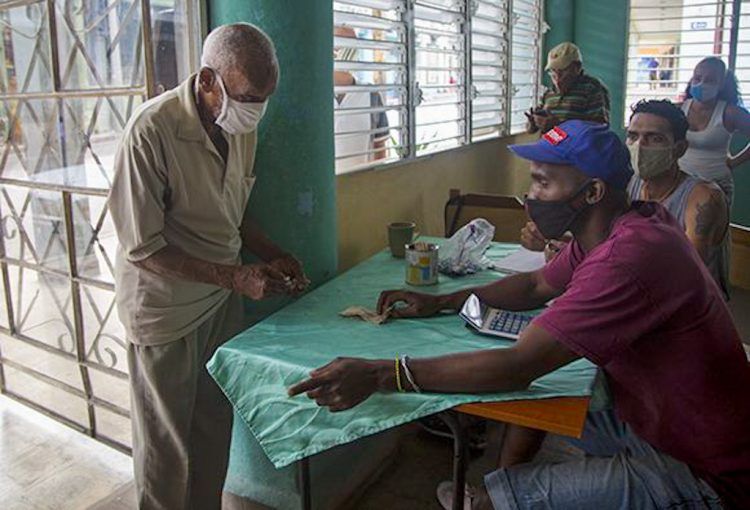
{"x":414,"y":77}
{"x":669,"y":37}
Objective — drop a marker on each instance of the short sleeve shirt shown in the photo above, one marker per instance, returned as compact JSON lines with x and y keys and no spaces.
{"x":171,"y":187}
{"x":587,"y":99}
{"x":642,"y":306}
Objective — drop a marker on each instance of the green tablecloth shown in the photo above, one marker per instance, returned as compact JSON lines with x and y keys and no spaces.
{"x":255,"y":368}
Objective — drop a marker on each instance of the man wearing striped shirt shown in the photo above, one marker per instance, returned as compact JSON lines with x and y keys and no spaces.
{"x":574,"y":95}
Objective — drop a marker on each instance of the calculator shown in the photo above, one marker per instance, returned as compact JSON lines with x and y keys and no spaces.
{"x":511,"y":323}
{"x":493,"y":321}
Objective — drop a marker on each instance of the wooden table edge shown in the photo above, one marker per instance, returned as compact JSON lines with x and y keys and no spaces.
{"x":561,"y":415}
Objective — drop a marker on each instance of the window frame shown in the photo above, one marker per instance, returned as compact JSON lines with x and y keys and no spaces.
{"x":467,"y":136}
{"x":734,"y":15}
{"x":76,"y":214}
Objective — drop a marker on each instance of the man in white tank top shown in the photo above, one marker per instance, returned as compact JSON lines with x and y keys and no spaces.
{"x":656,"y":140}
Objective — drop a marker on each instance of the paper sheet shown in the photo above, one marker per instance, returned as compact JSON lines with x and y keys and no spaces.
{"x":522,"y":261}
{"x":366,"y":314}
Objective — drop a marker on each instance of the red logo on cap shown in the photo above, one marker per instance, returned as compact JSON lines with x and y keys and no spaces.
{"x":555,"y":135}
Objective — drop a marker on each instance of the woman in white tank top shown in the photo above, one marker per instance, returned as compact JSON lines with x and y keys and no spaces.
{"x":713,"y":112}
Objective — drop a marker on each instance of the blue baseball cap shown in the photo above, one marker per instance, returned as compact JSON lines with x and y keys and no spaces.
{"x":591,"y":147}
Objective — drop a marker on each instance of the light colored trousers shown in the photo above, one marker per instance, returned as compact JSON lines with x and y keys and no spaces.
{"x":181,"y":420}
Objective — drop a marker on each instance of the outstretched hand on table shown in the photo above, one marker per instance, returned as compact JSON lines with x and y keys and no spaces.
{"x":341,"y":384}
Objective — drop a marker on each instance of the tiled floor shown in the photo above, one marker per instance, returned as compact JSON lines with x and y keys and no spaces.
{"x":44,"y":465}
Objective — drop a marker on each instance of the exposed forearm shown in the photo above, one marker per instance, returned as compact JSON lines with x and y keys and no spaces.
{"x":516,"y":292}
{"x":701,"y":245}
{"x":706,"y":220}
{"x":488,"y":371}
{"x":737,"y":120}
{"x":256,"y":242}
{"x":742,"y":157}
{"x":171,"y":262}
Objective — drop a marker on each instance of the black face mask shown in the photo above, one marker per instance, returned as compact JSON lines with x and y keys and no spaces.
{"x":554,"y":217}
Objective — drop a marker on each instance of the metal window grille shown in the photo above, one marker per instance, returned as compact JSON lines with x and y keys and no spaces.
{"x":73,"y":73}
{"x":526,"y":44}
{"x":489,"y":68}
{"x":440,"y":75}
{"x":442,"y":69}
{"x":372,"y":53}
{"x":669,"y":37}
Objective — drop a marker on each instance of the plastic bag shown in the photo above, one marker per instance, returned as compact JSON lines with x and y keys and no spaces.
{"x":464,"y":252}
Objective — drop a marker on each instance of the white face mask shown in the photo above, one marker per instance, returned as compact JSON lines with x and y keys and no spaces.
{"x":650,"y":162}
{"x":237,"y":118}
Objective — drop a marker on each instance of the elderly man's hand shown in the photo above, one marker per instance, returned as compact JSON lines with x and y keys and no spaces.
{"x":417,"y":305}
{"x":531,"y":238}
{"x":293,"y":274}
{"x":258,"y":281}
{"x":341,"y":384}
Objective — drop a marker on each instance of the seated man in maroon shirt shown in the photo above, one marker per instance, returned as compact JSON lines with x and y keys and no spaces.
{"x":631,"y":295}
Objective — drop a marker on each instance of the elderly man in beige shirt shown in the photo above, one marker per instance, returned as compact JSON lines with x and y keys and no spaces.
{"x":183,"y":177}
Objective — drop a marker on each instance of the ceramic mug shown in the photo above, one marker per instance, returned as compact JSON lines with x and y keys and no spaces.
{"x":399,"y":235}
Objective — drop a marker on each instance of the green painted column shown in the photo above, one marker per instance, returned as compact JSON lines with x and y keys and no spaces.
{"x":741,"y":205}
{"x":294,"y":197}
{"x":601,"y":31}
{"x":559,"y":16}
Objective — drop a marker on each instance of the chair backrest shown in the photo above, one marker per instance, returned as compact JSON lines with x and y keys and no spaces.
{"x":505,"y":212}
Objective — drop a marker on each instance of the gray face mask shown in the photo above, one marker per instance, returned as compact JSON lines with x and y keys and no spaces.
{"x":650,"y":162}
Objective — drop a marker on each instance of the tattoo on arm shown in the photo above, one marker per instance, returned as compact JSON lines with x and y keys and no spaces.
{"x":708,"y":215}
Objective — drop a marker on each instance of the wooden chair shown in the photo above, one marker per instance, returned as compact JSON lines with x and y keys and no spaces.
{"x":505,"y":212}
